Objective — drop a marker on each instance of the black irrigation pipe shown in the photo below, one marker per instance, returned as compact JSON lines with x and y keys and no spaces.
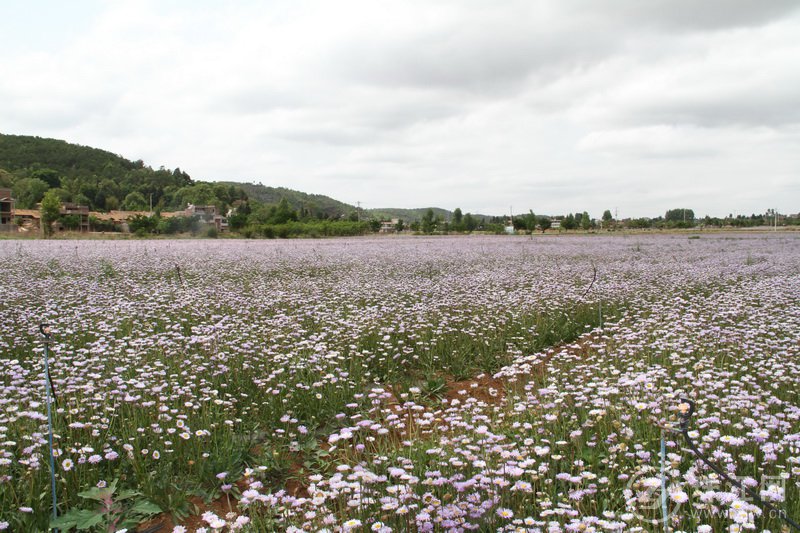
{"x":594,"y":278}
{"x":180,"y":277}
{"x":44,"y":329}
{"x":684,"y":428}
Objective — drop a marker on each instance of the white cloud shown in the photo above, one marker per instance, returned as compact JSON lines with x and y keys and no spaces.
{"x":554,"y":106}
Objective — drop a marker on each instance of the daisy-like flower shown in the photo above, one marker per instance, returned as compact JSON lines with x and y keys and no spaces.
{"x":678,"y":496}
{"x":67,"y":464}
{"x":505,"y":513}
{"x":351,"y":524}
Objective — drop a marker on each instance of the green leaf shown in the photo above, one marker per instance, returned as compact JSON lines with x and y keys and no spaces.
{"x":89,"y":519}
{"x":65,"y":521}
{"x":125,"y":494}
{"x":99,"y":494}
{"x":95,"y":493}
{"x":77,"y":518}
{"x":145,"y":507}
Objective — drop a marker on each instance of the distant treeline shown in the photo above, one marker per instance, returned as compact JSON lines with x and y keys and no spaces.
{"x":529,"y":222}
{"x":34,"y":167}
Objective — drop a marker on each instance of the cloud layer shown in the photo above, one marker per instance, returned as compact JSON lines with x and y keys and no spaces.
{"x":551,"y":106}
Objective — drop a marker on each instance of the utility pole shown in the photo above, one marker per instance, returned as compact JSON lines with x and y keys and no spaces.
{"x":358,"y":211}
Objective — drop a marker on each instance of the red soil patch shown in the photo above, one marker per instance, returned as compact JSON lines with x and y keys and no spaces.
{"x":493,"y":390}
{"x":484,"y":388}
{"x":163,"y":523}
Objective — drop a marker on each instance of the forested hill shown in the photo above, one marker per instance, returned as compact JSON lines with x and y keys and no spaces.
{"x":316,"y":205}
{"x":31,"y":166}
{"x":18,"y":152}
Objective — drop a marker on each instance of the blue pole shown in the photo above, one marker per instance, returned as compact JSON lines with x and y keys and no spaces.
{"x":46,"y":332}
{"x":664,"y":508}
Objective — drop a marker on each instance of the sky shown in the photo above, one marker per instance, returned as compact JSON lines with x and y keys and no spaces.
{"x":636,"y":106}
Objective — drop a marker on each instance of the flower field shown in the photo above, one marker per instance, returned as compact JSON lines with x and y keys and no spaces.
{"x":402,"y":384}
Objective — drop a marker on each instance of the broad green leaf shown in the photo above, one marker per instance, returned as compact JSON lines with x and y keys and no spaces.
{"x":65,"y":521}
{"x":96,"y":493}
{"x":89,"y":519}
{"x":125,"y":494}
{"x":145,"y":507}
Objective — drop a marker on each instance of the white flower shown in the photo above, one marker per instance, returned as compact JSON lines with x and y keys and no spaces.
{"x":351,"y":524}
{"x":678,"y":496}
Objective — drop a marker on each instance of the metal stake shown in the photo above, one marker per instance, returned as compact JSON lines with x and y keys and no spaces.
{"x":44,"y":329}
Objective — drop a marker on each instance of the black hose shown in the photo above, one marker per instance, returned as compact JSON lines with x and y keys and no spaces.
{"x":44,"y":329}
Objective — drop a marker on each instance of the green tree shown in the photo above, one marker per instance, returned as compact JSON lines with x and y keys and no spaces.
{"x":545,"y":223}
{"x":640,"y":223}
{"x":237,"y":221}
{"x":400,"y":226}
{"x":112,"y":203}
{"x":569,"y":222}
{"x":29,"y":191}
{"x":142,"y":225}
{"x":529,"y":221}
{"x":50,"y":211}
{"x":6,"y":178}
{"x":135,"y":201}
{"x":681,"y":218}
{"x":283,"y":213}
{"x":71,"y":222}
{"x":586,"y":222}
{"x":428,"y":222}
{"x":607,"y":218}
{"x":457,"y":216}
{"x":470,"y":224}
{"x":48,"y":175}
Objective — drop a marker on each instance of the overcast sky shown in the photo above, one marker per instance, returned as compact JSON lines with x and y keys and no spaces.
{"x":556,"y":106}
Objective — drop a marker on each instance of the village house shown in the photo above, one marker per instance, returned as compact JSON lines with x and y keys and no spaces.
{"x":389,"y":226}
{"x":6,"y":211}
{"x":80,"y":212}
{"x":26,"y":220}
{"x":207,"y":214}
{"x":120,"y":218}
